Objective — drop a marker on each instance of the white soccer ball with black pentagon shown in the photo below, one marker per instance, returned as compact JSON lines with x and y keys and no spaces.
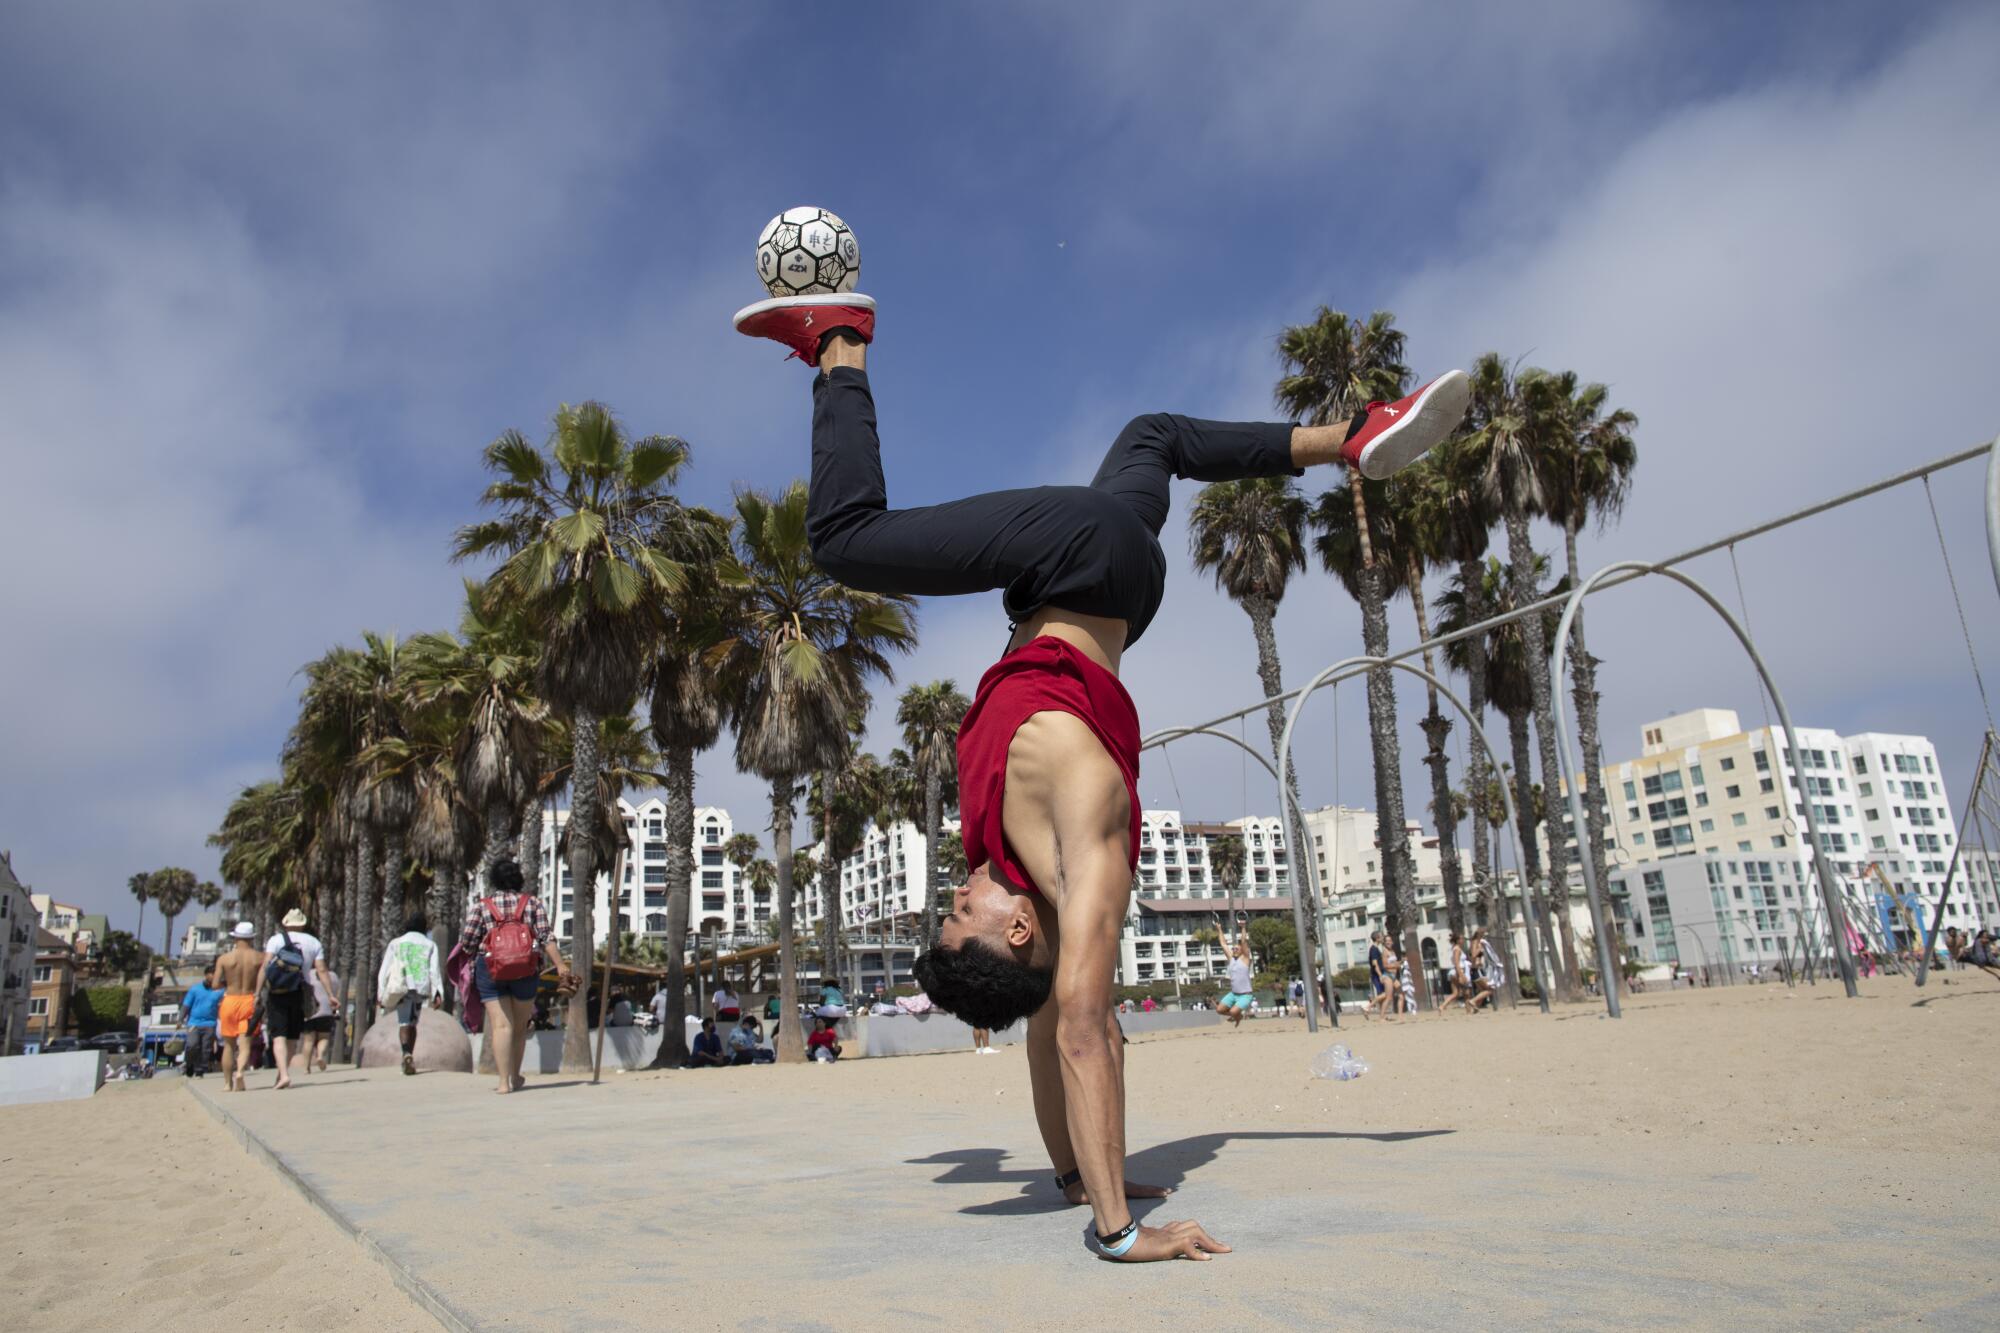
{"x":806,"y":252}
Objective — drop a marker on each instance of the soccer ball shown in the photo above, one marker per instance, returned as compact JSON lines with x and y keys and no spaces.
{"x":807,"y":251}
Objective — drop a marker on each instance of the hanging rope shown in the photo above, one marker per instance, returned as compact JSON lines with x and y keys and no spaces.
{"x":1956,"y":601}
{"x":1743,"y":609}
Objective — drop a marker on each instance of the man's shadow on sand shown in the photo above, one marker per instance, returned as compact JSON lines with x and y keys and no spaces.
{"x":1167,"y":1164}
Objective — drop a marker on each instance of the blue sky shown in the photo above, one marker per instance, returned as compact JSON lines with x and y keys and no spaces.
{"x":270,"y":279}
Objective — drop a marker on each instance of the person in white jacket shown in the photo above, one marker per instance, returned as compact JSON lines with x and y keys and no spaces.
{"x":410,"y":971}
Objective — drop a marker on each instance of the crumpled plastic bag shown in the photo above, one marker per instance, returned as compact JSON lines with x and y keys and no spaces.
{"x":1337,"y":1062}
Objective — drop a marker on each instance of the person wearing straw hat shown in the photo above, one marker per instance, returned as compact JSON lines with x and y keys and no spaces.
{"x":285,"y":1005}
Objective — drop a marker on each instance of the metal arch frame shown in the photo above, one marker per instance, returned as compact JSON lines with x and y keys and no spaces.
{"x":1993,"y":508}
{"x":1349,"y":667}
{"x":1828,"y":891}
{"x":1296,"y":836}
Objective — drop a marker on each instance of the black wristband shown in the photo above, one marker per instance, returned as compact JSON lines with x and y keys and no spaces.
{"x":1112,"y":1240}
{"x":1067,"y":1178}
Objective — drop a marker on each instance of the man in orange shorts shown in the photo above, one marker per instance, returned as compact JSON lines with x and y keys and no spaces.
{"x":240,"y":971}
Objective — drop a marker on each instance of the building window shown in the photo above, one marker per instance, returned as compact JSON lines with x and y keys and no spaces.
{"x":1694,"y":773}
{"x":1778,"y":841}
{"x":1764,"y":786}
{"x":38,"y":1007}
{"x":43,"y":971}
{"x":1728,"y":765}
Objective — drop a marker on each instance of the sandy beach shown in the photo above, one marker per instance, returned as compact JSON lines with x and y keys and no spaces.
{"x":136,"y":1210}
{"x":1819,"y":1126}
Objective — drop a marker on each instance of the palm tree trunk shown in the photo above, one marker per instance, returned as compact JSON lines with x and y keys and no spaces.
{"x":446,"y":879}
{"x":791,"y":1042}
{"x":1399,"y":898}
{"x":528,"y":844}
{"x":1583,"y":675}
{"x":1437,"y":728}
{"x":1483,"y":879}
{"x":1521,"y":557}
{"x":586,"y":758}
{"x":1270,"y":674}
{"x":499,"y":839}
{"x":364,"y":960}
{"x":1534,"y":901}
{"x":167,"y":946}
{"x":139,"y":931}
{"x":350,"y":933}
{"x":673,"y":1052}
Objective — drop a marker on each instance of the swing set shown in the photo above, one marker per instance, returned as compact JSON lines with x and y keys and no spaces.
{"x":1839,"y":934}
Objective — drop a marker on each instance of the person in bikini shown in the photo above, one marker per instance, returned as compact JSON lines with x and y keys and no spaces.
{"x":1048,"y":753}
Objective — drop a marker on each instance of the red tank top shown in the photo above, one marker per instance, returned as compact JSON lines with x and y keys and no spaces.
{"x":1044,"y":675}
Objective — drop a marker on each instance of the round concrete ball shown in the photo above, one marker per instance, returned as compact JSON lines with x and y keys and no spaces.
{"x":442,"y":1043}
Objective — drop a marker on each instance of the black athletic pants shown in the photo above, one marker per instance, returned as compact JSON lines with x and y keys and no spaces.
{"x":1091,"y":549}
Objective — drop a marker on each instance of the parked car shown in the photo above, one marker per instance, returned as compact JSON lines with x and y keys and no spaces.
{"x":56,"y":1045}
{"x":118,"y":1043}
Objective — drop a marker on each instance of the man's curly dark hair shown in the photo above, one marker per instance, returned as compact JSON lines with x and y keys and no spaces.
{"x":981,"y":985}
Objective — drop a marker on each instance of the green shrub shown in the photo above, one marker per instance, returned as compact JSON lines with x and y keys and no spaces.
{"x":102,"y":1009}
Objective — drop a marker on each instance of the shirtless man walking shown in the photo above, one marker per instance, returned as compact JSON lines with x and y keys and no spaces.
{"x":1049,"y":751}
{"x":241,"y":972}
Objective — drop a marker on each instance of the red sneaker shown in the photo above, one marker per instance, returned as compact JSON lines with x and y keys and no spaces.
{"x":799,"y":322}
{"x":1395,"y":435}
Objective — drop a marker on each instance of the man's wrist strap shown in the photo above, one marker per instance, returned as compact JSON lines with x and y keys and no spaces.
{"x":1068,"y":1178}
{"x":1120,"y":1240}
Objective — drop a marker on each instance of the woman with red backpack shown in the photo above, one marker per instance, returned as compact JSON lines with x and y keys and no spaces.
{"x":508,"y":933}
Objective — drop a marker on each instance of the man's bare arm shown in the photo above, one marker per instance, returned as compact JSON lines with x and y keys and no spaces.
{"x":1068,"y":817}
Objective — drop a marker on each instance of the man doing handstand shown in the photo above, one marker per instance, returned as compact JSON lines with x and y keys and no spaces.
{"x":1048,"y":754}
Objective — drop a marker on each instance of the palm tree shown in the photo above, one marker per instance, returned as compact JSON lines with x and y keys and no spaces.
{"x":172,"y":888}
{"x":1424,"y":497}
{"x":1251,"y":536}
{"x":1361,"y":559}
{"x":593,"y":543}
{"x":929,"y":715}
{"x":686,"y":708}
{"x":1225,"y":867}
{"x":1505,"y":653}
{"x":383,"y":800}
{"x":844,"y":799}
{"x":1587,"y":474}
{"x":800,"y":654}
{"x":1511,"y":414}
{"x":141,"y":888}
{"x":1459,"y":520}
{"x":1337,"y":366}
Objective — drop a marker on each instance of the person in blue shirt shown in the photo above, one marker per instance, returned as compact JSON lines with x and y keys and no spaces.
{"x":198,"y":1013}
{"x":707,"y":1047}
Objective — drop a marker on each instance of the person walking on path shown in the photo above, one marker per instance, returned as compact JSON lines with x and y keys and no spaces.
{"x":411,"y":974}
{"x":290,"y":957}
{"x":317,"y":1044}
{"x":1459,"y":983}
{"x":198,"y":1012}
{"x":1049,"y":751}
{"x":508,"y":933}
{"x":1237,"y":1002}
{"x":241,"y":972}
{"x":1487,"y":974}
{"x":1379,"y":996}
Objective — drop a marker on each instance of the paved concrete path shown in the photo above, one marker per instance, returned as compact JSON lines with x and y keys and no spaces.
{"x":780,"y":1199}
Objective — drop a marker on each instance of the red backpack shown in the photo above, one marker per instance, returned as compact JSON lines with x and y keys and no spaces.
{"x":510,"y":946}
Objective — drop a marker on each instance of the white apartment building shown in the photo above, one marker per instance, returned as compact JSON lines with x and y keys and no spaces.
{"x":881,"y":885}
{"x":720,"y":903}
{"x":59,"y":919}
{"x":1177,"y":894}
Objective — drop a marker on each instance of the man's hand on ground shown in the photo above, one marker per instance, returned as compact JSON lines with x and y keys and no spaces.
{"x":1076,"y":1193}
{"x":1175,"y":1240}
